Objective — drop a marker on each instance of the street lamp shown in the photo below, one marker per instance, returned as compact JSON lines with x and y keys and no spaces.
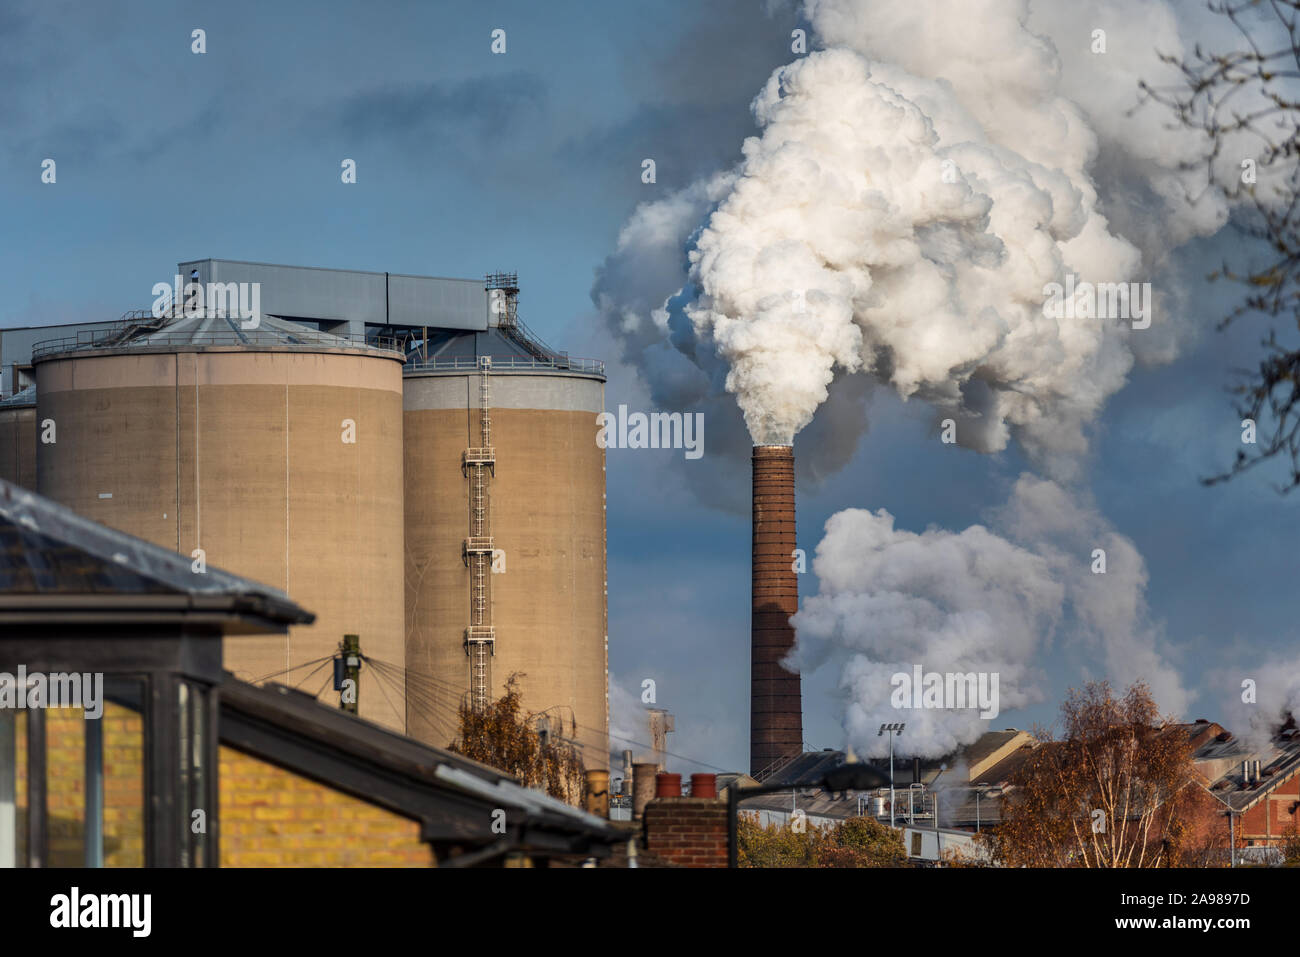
{"x":893,"y":729}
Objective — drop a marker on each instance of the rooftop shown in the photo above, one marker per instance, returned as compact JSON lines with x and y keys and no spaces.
{"x":440,"y":325}
{"x":452,"y":796}
{"x":49,"y":554}
{"x":142,"y":331}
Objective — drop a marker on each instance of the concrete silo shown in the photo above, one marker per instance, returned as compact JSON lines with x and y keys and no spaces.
{"x":276,"y":450}
{"x":505,"y":537}
{"x":18,"y":438}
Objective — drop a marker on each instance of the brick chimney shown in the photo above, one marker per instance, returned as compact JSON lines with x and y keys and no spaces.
{"x":775,"y":701}
{"x":687,"y":831}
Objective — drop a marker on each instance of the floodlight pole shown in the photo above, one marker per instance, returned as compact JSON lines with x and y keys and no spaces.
{"x":891,"y":728}
{"x":1232,"y":839}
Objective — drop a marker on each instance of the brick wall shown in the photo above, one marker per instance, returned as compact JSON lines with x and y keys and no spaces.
{"x":1269,"y":821}
{"x":687,"y":832}
{"x":269,"y":816}
{"x":66,"y":784}
{"x":273,"y":818}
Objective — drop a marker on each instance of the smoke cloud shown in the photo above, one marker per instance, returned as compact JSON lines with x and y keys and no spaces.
{"x":1256,"y":710}
{"x":915,"y":186}
{"x":913,"y":189}
{"x":983,"y":600}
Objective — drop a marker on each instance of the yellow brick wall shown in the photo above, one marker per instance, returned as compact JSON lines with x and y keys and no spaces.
{"x":269,"y":816}
{"x":66,"y":783}
{"x":272,"y":818}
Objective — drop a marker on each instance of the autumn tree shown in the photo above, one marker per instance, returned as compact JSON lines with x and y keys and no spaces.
{"x":504,"y":736}
{"x":1242,"y":98}
{"x":776,"y":845}
{"x":863,"y":842}
{"x":857,"y":842}
{"x":1291,"y":848}
{"x":1117,"y":789}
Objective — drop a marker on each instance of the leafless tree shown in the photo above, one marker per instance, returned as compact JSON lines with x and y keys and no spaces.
{"x":1247,"y":94}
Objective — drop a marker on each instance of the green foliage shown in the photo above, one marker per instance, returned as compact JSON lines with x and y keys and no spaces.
{"x":857,"y":842}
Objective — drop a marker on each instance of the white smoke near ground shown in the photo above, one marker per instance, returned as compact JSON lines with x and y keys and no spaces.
{"x":1256,"y":712}
{"x":627,"y":724}
{"x":891,"y":599}
{"x":914,"y":187}
{"x":982,"y":600}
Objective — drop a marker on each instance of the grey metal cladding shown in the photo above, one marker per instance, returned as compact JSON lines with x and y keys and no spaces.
{"x":354,"y":296}
{"x":446,"y":303}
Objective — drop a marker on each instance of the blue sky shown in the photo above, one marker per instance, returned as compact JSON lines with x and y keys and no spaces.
{"x":531,"y":161}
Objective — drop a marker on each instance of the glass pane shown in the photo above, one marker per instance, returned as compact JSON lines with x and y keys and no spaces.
{"x":186,"y":766}
{"x":194,"y":773}
{"x":20,"y":799}
{"x":199,"y":786}
{"x":13,"y":786}
{"x":65,"y":776}
{"x":123,"y":729}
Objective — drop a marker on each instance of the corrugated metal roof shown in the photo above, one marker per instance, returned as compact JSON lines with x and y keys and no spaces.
{"x":460,"y":352}
{"x":223,"y":330}
{"x":206,"y":331}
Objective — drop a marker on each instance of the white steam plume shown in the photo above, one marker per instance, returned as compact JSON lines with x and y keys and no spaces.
{"x":914,"y":187}
{"x":980,"y":600}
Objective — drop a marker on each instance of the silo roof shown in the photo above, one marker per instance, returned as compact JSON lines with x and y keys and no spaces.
{"x":460,"y":351}
{"x":204,"y":331}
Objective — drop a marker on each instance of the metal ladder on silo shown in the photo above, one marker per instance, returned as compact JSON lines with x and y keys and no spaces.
{"x":480,"y":636}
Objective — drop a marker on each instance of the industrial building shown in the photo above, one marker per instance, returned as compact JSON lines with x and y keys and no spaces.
{"x":18,"y":438}
{"x":398,"y":453}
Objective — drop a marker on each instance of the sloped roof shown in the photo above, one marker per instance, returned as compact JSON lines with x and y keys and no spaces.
{"x":452,"y":796}
{"x":49,"y":551}
{"x":1221,"y":763}
{"x":205,"y":331}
